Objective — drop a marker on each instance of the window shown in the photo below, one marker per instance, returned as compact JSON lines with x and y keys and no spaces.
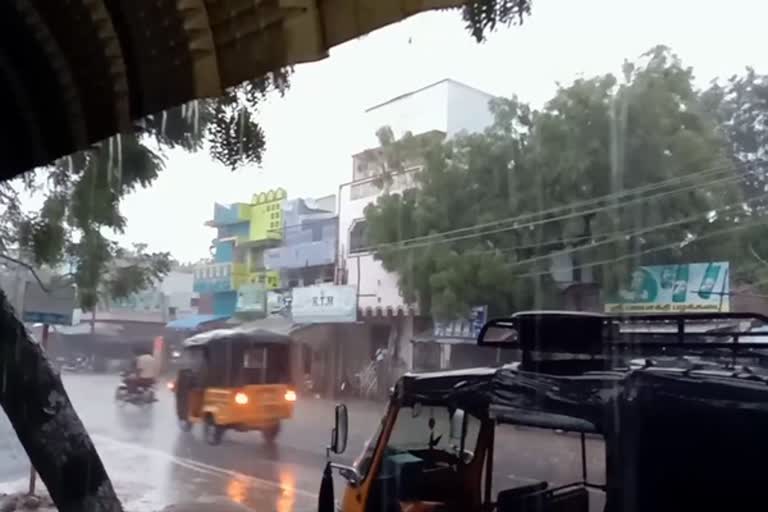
{"x":255,"y":358}
{"x":363,"y":462}
{"x":317,"y":232}
{"x":358,"y":236}
{"x":411,"y":431}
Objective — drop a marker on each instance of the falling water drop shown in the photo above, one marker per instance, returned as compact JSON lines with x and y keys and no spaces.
{"x":242,"y":130}
{"x":196,"y":125}
{"x":110,"y":152}
{"x":162,"y":123}
{"x":70,"y":164}
{"x":119,"y":140}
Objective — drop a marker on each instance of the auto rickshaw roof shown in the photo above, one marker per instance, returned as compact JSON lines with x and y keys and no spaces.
{"x":244,"y":336}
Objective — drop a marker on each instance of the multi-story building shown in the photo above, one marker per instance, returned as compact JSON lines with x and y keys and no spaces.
{"x":169,"y":299}
{"x":243,"y":232}
{"x":308,"y":250}
{"x":443,"y":109}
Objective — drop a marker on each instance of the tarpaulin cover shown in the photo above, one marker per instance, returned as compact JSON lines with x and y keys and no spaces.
{"x":675,"y":440}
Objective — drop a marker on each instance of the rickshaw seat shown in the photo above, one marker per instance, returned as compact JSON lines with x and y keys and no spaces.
{"x":572,"y":500}
{"x":536,"y":498}
{"x":510,"y":500}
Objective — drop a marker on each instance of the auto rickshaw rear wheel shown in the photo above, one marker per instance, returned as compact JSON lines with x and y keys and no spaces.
{"x":212,"y":432}
{"x":270,"y":433}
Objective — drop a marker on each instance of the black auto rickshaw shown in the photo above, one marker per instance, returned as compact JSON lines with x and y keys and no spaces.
{"x":678,"y":434}
{"x":235,"y":379}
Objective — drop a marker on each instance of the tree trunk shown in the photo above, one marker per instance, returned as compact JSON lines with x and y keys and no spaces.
{"x":48,"y":427}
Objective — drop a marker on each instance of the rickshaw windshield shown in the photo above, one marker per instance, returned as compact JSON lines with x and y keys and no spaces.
{"x":428,"y":428}
{"x":193,"y":359}
{"x":364,"y":461}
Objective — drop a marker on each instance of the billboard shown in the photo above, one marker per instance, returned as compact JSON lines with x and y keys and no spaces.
{"x":468,"y":327}
{"x":324,"y":303}
{"x":251,"y":300}
{"x":682,"y":288}
{"x":54,"y":307}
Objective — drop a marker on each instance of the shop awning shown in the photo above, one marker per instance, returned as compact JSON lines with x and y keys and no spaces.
{"x":430,"y":337}
{"x":192,"y":322}
{"x":273,"y":323}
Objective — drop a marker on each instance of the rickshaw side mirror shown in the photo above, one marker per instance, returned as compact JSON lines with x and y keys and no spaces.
{"x":457,"y":425}
{"x":340,"y":430}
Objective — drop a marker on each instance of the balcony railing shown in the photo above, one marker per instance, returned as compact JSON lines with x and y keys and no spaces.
{"x":269,"y":279}
{"x":219,"y":277}
{"x":308,"y":254}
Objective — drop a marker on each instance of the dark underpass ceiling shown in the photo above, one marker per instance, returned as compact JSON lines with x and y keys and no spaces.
{"x":74,"y":72}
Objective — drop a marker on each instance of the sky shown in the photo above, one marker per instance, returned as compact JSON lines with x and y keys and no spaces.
{"x":315,"y":128}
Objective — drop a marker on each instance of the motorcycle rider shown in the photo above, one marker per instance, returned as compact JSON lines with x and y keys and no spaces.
{"x":143,"y":372}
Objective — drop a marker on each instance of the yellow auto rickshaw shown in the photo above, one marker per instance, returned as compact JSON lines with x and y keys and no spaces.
{"x":235,"y":379}
{"x":445,"y":444}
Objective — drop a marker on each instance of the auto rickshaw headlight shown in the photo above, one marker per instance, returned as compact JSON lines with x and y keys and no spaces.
{"x":241,"y":398}
{"x":171,"y":385}
{"x":290,"y":395}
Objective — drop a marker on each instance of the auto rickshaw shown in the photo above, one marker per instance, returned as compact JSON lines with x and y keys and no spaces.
{"x":235,"y":379}
{"x":678,"y":434}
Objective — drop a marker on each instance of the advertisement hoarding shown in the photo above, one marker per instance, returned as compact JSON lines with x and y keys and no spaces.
{"x":251,"y":299}
{"x":324,"y":303}
{"x":681,"y":288}
{"x":468,"y":327}
{"x":55,"y":306}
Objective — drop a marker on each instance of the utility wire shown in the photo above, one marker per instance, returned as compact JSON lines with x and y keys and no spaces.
{"x":729,"y":169}
{"x":29,"y":268}
{"x":401,"y":245}
{"x":626,"y":234}
{"x":674,"y":245}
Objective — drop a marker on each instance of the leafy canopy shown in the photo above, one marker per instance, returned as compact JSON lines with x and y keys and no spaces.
{"x":612,"y":172}
{"x":85,"y":189}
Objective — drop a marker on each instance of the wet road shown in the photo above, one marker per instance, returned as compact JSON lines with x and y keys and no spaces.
{"x":153,"y":464}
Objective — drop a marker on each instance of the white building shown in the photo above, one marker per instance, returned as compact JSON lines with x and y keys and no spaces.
{"x":171,"y":298}
{"x":448,"y":107}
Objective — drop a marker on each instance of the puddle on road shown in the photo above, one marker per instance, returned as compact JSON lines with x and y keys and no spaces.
{"x":166,"y":480}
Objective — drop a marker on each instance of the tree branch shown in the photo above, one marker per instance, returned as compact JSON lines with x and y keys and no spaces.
{"x":47,"y":425}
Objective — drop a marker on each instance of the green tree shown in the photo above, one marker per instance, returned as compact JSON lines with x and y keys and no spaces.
{"x":612,"y":172}
{"x":741,"y":106}
{"x":85,"y":190}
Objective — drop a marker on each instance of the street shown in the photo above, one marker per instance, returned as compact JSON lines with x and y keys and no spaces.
{"x":154,"y":465}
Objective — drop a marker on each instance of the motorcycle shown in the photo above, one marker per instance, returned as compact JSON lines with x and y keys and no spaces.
{"x":77,"y":364}
{"x":134,"y":393}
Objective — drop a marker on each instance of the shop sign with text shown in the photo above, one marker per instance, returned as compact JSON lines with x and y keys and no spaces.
{"x":324,"y":303}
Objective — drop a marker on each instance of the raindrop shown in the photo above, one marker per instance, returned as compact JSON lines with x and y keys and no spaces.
{"x":110,"y":152}
{"x":70,"y":164}
{"x":119,"y":159}
{"x":242,"y":129}
{"x":162,"y":123}
{"x":196,"y":106}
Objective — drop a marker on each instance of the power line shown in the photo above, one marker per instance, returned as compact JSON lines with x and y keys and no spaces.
{"x":598,"y":200}
{"x":400,"y":245}
{"x":651,"y":250}
{"x":618,"y":236}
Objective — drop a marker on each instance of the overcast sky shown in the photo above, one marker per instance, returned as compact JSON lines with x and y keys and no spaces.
{"x":313,"y":131}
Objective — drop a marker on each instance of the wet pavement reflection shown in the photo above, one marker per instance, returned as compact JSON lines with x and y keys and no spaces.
{"x":154,"y":465}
